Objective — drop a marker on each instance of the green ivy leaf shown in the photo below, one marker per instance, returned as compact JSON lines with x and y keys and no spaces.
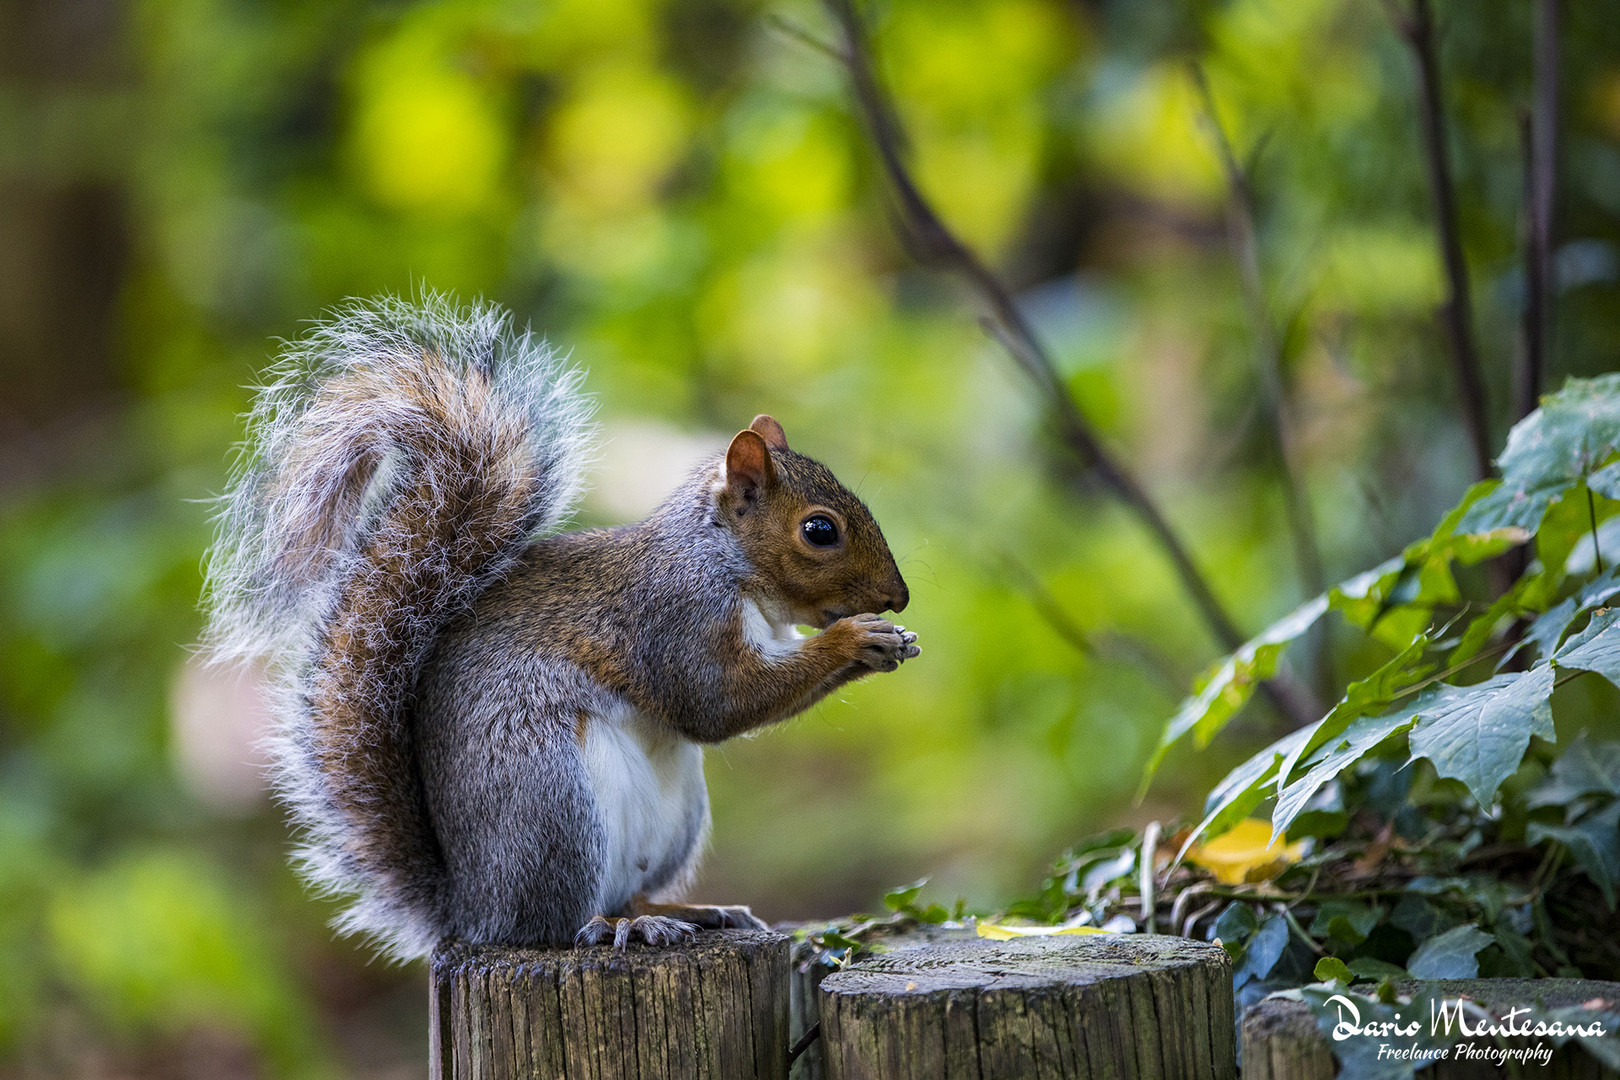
{"x":1515,"y":955}
{"x":1244,"y":788}
{"x":1370,"y":967}
{"x":1478,"y":734}
{"x":1234,"y":928}
{"x":833,"y":940}
{"x":1451,"y":955}
{"x":1347,"y":920}
{"x":1567,"y":440}
{"x":1359,"y":739}
{"x":1264,"y":950}
{"x":1410,"y":584}
{"x":1606,"y":481}
{"x":1230,"y":684}
{"x":1390,"y":682}
{"x":1596,"y":648}
{"x":1584,"y":768}
{"x":1452,"y":540}
{"x":905,"y":897}
{"x":1595,"y":845}
{"x":1479,"y":631}
{"x":1420,"y":918}
{"x":1361,"y":600}
{"x":1319,"y":823}
{"x":1049,"y":906}
{"x":1561,"y":531}
{"x":1332,"y":969}
{"x":1392,"y":602}
{"x":1549,"y":629}
{"x":1396,"y":607}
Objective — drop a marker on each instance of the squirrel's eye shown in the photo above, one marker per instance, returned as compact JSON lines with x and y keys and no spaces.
{"x":820,"y":531}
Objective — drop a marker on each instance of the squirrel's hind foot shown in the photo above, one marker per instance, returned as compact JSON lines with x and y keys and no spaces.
{"x":652,"y":929}
{"x":706,"y":916}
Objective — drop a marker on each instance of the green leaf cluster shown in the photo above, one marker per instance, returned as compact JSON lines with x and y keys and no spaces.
{"x":1469,"y":682}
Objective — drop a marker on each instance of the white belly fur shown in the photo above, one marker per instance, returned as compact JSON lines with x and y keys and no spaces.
{"x":648,"y":783}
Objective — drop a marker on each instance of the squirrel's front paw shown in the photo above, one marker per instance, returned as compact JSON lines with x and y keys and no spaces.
{"x":879,"y":644}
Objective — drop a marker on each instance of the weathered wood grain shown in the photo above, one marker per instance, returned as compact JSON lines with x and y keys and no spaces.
{"x":715,"y":1008}
{"x":803,"y":1009}
{"x":1281,"y":1039}
{"x":1052,"y":1008}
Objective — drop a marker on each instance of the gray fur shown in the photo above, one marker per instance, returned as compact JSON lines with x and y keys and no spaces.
{"x":487,"y":730}
{"x":521,"y":829}
{"x":315,"y":489}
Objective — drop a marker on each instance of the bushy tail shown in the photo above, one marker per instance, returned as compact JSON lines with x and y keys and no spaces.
{"x":400,"y":459}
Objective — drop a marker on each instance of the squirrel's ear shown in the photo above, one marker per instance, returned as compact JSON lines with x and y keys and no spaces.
{"x":749,"y":469}
{"x":770,"y":431}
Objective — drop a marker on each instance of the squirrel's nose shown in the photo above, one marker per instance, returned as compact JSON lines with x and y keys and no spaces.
{"x":899,"y":595}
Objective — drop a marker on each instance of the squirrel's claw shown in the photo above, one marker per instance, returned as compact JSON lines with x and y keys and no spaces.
{"x":705,"y":916}
{"x":593,"y":933}
{"x":883,"y":645}
{"x":726,"y":917}
{"x":741,"y":918}
{"x":652,"y":929}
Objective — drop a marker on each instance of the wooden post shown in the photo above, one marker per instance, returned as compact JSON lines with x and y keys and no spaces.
{"x":1281,"y":1039}
{"x":1281,"y":1042}
{"x":1062,"y":1007}
{"x":716,"y":1008}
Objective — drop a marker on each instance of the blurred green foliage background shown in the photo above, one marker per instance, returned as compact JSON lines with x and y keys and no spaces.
{"x":679,"y":192}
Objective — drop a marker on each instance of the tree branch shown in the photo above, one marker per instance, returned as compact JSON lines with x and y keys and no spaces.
{"x":1242,"y":234}
{"x":932,"y":243}
{"x":1539,"y":135}
{"x":1417,"y":27}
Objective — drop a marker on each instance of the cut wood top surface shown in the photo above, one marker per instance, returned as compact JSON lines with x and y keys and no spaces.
{"x":960,"y":960}
{"x":1061,"y":1007}
{"x":717,"y":945}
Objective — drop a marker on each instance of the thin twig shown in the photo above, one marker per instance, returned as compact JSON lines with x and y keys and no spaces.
{"x":803,"y":36}
{"x":1416,"y":25}
{"x":1241,"y":892}
{"x":1540,"y":139}
{"x":1198,"y":916}
{"x":1591,"y":517}
{"x":811,"y":1034}
{"x":1310,"y":886}
{"x":932,"y":243}
{"x":1150,"y":844}
{"x":1245,"y":243}
{"x":1184,"y":897}
{"x":1299,"y":931}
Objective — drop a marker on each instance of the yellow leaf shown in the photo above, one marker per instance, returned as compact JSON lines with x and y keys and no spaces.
{"x":1245,"y":853}
{"x":997,"y":932}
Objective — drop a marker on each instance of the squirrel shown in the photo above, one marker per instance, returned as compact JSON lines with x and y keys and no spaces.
{"x":487,"y":728}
